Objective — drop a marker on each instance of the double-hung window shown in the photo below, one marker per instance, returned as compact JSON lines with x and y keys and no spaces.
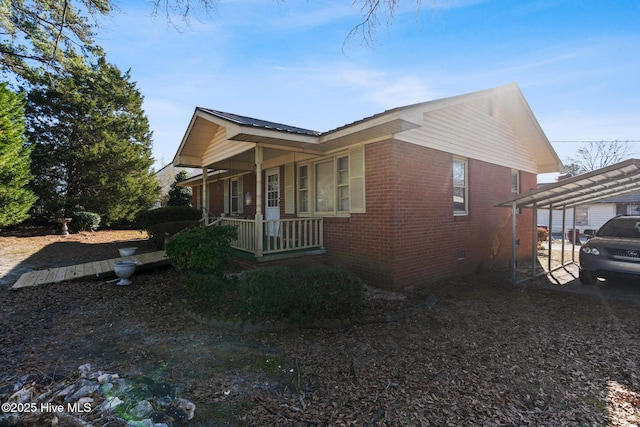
{"x":460,"y":187}
{"x":324,"y":186}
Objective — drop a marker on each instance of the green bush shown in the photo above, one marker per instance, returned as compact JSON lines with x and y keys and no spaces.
{"x":84,"y":221}
{"x":146,"y":219}
{"x":159,"y":233}
{"x":324,"y":292}
{"x":317,"y":293}
{"x":207,"y":286}
{"x":266,"y":292}
{"x":204,"y":250}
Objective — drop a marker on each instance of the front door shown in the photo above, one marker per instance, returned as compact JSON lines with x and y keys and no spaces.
{"x":272,"y":205}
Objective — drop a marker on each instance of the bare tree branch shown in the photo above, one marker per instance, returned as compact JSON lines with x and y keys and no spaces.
{"x":598,"y":154}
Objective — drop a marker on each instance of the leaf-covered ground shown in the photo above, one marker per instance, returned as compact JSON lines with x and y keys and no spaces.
{"x":487,"y":353}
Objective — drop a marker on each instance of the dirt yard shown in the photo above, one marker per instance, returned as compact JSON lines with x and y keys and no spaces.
{"x":474,"y":351}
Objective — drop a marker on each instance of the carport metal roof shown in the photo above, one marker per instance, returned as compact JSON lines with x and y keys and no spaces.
{"x":614,"y":180}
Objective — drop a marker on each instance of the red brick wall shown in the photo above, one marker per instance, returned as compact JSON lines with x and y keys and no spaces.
{"x":409,"y":235}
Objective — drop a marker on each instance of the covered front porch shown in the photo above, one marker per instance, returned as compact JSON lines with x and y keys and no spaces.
{"x":248,"y":181}
{"x":273,"y":239}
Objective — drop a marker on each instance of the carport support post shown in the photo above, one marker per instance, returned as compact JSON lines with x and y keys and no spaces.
{"x":550,"y":236}
{"x":564,"y":230}
{"x":514,"y":211}
{"x":534,"y":239}
{"x":573,"y":237}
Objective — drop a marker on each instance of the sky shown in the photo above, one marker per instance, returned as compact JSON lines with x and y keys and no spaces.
{"x":291,"y":62}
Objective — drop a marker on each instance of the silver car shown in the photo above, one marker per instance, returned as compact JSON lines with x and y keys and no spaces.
{"x":613,"y":253}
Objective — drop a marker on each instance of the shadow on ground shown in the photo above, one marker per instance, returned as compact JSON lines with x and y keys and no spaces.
{"x":565,"y":279}
{"x":20,"y":253}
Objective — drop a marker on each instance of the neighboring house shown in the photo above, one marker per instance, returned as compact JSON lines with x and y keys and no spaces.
{"x":165,"y":177}
{"x":402,"y":198}
{"x":594,"y":215}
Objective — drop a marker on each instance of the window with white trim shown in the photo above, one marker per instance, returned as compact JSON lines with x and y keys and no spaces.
{"x":582,"y":215}
{"x":325,"y":186}
{"x":460,"y":187}
{"x":343,"y":184}
{"x":515,"y":182}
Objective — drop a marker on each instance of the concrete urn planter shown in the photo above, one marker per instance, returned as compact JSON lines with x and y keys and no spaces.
{"x":127,"y":251}
{"x":124,"y":270}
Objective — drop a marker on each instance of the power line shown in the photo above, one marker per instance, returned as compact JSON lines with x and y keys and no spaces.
{"x":606,"y":141}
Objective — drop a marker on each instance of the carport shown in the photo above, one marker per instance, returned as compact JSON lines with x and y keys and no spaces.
{"x":614,"y":180}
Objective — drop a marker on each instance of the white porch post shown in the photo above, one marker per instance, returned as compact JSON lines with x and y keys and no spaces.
{"x":205,"y":197}
{"x":259,"y":222}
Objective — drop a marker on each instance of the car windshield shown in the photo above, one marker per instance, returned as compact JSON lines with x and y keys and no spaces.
{"x":621,"y":227}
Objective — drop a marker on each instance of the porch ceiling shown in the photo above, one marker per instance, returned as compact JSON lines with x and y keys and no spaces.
{"x":615,"y":180}
{"x":195,"y":142}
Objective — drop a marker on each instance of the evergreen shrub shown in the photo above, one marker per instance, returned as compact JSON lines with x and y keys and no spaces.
{"x":266,"y":292}
{"x":149,"y":218}
{"x":324,"y":292}
{"x":203,"y":250}
{"x":159,"y":233}
{"x":84,"y":221}
{"x":317,"y":293}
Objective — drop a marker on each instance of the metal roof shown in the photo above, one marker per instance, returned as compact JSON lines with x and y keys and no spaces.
{"x":258,"y":123}
{"x":615,"y":180}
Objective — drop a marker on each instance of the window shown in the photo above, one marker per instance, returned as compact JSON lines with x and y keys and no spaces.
{"x":325,"y":190}
{"x":515,"y":185}
{"x":460,"y":202}
{"x":582,"y":215}
{"x":515,"y":182}
{"x":325,"y":187}
{"x":343,"y":184}
{"x":303,"y":189}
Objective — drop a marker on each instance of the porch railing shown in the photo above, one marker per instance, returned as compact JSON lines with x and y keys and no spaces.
{"x":279,"y":235}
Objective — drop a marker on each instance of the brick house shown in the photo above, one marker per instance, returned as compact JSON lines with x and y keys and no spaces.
{"x":401,"y":198}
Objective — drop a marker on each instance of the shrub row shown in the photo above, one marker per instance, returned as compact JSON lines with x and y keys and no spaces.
{"x":320,"y":292}
{"x":202,"y":255}
{"x":146,"y":219}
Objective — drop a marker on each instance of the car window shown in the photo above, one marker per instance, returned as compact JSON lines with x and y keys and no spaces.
{"x":621,"y":227}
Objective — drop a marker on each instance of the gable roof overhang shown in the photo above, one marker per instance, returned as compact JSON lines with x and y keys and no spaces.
{"x":237,"y":136}
{"x":615,"y":180}
{"x":219,"y":140}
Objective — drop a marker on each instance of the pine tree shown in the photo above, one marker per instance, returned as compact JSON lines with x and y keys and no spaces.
{"x":15,"y":198}
{"x":179,"y":196}
{"x":91,"y":144}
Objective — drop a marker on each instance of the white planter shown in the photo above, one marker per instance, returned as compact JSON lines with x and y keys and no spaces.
{"x":124,"y":270}
{"x":127,"y":251}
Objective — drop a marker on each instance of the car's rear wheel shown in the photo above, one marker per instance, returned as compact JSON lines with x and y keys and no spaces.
{"x":587,"y":277}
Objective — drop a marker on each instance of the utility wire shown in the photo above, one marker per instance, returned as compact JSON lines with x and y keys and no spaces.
{"x":608,"y":141}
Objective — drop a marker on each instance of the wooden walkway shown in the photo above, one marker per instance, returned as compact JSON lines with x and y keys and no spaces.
{"x":94,"y":270}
